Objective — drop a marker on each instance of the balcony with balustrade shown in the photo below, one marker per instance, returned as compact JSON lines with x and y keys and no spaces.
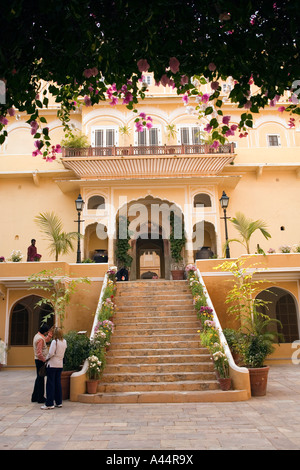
{"x":157,"y":161}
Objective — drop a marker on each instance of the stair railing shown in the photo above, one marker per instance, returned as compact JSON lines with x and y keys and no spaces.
{"x":78,"y":378}
{"x":239,"y":375}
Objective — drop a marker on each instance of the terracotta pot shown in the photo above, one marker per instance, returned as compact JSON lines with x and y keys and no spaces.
{"x":225,"y":383}
{"x":65,"y":383}
{"x":91,"y":386}
{"x":178,"y":274}
{"x":258,"y":380}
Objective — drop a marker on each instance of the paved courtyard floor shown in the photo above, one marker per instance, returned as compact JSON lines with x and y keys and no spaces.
{"x":263,"y":423}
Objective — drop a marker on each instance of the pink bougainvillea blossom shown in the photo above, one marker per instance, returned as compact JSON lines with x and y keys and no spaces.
{"x":248,"y":104}
{"x":38,"y":145}
{"x":292,"y":123}
{"x":90,"y":72}
{"x":214,"y":85}
{"x":207,"y":128}
{"x":281,"y":109}
{"x":184,"y":80}
{"x":215,"y":144}
{"x":205,"y":98}
{"x":34,"y":127}
{"x":87,"y":101}
{"x":143,"y":65}
{"x":11,"y":111}
{"x":226,"y":120}
{"x":3,"y":120}
{"x":174,"y":65}
{"x":212,"y":67}
{"x":185,"y":98}
{"x":128,"y":97}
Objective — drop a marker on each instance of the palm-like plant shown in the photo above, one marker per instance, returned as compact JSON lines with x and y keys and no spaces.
{"x":60,"y":242}
{"x":246,"y":227}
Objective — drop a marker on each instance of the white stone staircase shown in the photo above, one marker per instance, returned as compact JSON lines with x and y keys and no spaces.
{"x":155,"y":354}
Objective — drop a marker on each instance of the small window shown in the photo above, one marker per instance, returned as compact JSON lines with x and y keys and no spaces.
{"x":148,"y":79}
{"x":95,"y":201}
{"x":274,"y":140}
{"x":202,"y":199}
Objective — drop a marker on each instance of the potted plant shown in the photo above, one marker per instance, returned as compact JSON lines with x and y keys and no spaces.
{"x":78,"y":349}
{"x":93,"y":373}
{"x":76,"y":140}
{"x":255,"y":340}
{"x":177,"y":242}
{"x":16,"y":256}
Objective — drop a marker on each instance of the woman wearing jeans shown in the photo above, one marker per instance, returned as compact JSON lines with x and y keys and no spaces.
{"x":55,"y":359}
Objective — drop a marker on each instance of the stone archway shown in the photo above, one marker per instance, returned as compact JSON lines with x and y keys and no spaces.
{"x":149,"y":228}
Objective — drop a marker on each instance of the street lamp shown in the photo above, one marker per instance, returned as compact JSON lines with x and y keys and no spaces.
{"x":224,"y":201}
{"x":79,"y":203}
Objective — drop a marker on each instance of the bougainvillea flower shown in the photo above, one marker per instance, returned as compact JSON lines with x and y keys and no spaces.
{"x":174,"y":65}
{"x":143,"y":65}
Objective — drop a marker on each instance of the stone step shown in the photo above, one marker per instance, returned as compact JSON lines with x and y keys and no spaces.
{"x":154,"y":344}
{"x":165,"y":396}
{"x":116,"y":351}
{"x":155,"y":283}
{"x":138,"y":330}
{"x":130,"y":320}
{"x":159,"y":368}
{"x":160,"y":377}
{"x":184,"y":385}
{"x":169,"y":306}
{"x":150,"y":302}
{"x":158,"y":338}
{"x":157,"y":359}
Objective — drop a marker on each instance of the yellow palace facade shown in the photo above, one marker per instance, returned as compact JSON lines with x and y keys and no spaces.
{"x":144,"y":175}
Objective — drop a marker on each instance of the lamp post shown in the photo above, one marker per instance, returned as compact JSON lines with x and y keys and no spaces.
{"x":224,"y":201}
{"x":79,"y":203}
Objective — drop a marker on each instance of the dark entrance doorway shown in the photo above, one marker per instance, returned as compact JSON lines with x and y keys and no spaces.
{"x":150,"y":259}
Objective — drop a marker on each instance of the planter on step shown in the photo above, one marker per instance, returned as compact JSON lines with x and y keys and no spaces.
{"x":178,"y":274}
{"x":225,"y":383}
{"x":91,"y":386}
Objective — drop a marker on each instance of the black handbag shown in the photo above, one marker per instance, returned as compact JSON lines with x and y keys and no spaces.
{"x":43,"y":370}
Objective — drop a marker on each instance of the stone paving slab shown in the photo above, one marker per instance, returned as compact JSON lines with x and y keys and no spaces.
{"x":261,"y":423}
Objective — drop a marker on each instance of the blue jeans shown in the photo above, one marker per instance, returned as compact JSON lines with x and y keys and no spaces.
{"x":53,"y":386}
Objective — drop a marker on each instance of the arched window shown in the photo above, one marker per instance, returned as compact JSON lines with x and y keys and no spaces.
{"x":95,"y":201}
{"x":286,"y":314}
{"x":19,"y":325}
{"x":202,"y":199}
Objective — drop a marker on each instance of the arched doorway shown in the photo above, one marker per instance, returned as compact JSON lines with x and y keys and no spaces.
{"x":283,"y":307}
{"x":149,"y":228}
{"x":26,"y":318}
{"x":205,"y":233}
{"x":96,"y":243}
